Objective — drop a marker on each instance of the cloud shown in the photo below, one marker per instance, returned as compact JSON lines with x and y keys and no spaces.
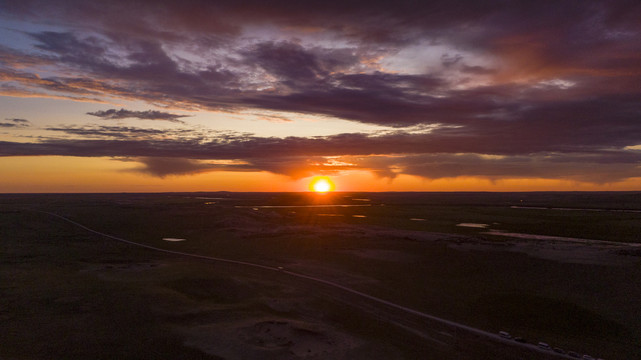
{"x":288,"y":61}
{"x":593,"y":168}
{"x":192,"y":135}
{"x":113,"y":114}
{"x":432,"y":155}
{"x":15,"y":123}
{"x":110,"y":132}
{"x":506,"y":90}
{"x":530,"y":42}
{"x":162,"y":166}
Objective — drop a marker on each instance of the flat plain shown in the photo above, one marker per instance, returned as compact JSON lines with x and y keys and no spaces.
{"x":559,"y":268}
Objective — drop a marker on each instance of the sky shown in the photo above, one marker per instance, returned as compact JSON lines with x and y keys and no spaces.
{"x":196,"y":95}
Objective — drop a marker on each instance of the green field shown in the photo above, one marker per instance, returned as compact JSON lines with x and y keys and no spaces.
{"x":69,"y":293}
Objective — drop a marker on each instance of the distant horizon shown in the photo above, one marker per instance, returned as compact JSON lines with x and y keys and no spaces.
{"x":320,"y":195}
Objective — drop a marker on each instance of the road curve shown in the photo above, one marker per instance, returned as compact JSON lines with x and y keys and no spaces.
{"x":420,"y":314}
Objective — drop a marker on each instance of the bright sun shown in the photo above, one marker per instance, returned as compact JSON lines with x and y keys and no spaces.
{"x":321,"y":184}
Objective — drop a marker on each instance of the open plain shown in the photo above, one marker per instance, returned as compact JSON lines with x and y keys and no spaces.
{"x":310,"y":276}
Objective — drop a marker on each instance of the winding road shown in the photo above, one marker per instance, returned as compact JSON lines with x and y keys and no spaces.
{"x":459,"y":329}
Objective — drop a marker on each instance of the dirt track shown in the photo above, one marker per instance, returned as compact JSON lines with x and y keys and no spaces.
{"x":427,"y":334}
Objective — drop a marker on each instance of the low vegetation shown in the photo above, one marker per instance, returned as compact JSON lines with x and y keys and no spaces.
{"x":70,"y":293}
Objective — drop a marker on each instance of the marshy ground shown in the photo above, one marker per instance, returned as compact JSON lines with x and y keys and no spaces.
{"x":70,"y":293}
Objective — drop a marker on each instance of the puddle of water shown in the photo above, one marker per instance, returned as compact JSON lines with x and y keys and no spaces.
{"x":575,"y":209}
{"x":558,"y":238}
{"x":359,"y":216}
{"x":473,"y":225}
{"x":362,"y":199}
{"x":173,"y":239}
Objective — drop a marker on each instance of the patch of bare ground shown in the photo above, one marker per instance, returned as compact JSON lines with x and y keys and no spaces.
{"x":564,"y":252}
{"x":124,"y":265}
{"x":383,"y":255}
{"x":329,"y":272}
{"x":272,"y":338}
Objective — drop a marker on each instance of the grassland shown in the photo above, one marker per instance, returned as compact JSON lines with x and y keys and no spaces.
{"x":68,"y":293}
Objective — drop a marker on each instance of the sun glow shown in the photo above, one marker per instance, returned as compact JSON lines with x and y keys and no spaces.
{"x":321,"y":184}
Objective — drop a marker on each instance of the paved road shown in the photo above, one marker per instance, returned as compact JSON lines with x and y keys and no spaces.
{"x":459,"y":328}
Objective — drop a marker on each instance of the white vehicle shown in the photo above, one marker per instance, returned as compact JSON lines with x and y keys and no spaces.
{"x":545,"y":346}
{"x":505,"y":334}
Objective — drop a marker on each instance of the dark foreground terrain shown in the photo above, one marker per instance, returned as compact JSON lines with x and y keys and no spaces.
{"x":442,"y":274}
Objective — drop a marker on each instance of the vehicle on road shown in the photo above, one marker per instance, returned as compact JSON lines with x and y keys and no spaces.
{"x":544,"y":346}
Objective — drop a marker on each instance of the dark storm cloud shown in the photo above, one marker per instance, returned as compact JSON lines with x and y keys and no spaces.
{"x":15,"y":123}
{"x":114,"y":114}
{"x":559,"y":94}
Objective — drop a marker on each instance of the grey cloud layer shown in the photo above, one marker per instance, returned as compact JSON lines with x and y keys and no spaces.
{"x":299,"y":157}
{"x":15,"y":123}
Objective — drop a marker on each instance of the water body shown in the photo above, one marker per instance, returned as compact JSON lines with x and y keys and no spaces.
{"x":173,"y":239}
{"x":557,"y":238}
{"x":574,"y":209}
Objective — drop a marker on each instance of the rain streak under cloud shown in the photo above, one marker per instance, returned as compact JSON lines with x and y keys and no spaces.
{"x":496,"y":90}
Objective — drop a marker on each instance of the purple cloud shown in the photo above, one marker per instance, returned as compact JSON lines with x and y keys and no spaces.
{"x":15,"y":123}
{"x":113,"y":114}
{"x":526,"y":89}
{"x":427,"y":155}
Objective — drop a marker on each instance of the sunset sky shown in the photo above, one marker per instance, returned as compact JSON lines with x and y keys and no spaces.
{"x":146,"y":96}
